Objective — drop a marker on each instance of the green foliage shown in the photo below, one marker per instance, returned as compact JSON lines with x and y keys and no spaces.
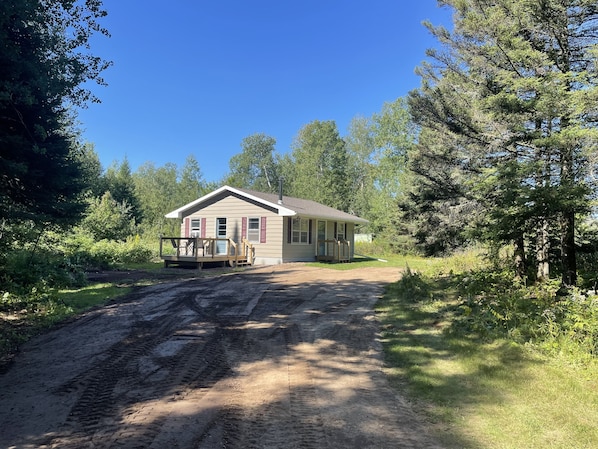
{"x":319,"y":166}
{"x":191,"y":184}
{"x":81,"y":249}
{"x":44,"y":65}
{"x":570,"y":326}
{"x":37,"y":301}
{"x":112,"y":253}
{"x":507,"y":122}
{"x":494,"y":305}
{"x":257,"y":166}
{"x":158,"y":193}
{"x":118,"y":180}
{"x":24,"y":270}
{"x":413,"y":286}
{"x":486,"y":358}
{"x":108,"y":219}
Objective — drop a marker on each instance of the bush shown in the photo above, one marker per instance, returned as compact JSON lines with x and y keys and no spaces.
{"x":493,"y":305}
{"x":110,"y":253}
{"x":25,"y":269}
{"x":84,"y":251}
{"x":412,"y":286}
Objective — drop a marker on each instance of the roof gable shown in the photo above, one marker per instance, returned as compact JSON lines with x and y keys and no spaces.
{"x":289,"y":206}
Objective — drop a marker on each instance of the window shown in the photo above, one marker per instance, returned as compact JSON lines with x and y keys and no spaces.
{"x":253,"y":230}
{"x":300,"y":230}
{"x":340,"y":231}
{"x":195,"y":227}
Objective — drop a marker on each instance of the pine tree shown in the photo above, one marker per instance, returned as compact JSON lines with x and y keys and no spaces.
{"x":42,"y":71}
{"x":513,"y":95}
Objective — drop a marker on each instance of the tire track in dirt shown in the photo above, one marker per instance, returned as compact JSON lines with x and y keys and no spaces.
{"x":254,"y":360}
{"x":116,"y":387}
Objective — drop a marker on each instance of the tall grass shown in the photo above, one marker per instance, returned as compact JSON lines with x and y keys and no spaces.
{"x":474,"y":355}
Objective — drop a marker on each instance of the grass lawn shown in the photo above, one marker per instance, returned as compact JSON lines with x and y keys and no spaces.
{"x":483,"y":394}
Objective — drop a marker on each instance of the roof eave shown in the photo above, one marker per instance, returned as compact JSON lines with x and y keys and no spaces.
{"x":282,"y":211}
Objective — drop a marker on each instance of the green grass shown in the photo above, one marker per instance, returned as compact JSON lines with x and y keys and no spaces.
{"x":434,"y":266}
{"x":482,"y":394}
{"x":79,"y":300}
{"x":413,"y":262}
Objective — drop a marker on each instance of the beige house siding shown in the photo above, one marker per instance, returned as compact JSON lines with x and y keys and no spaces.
{"x":298,"y":252}
{"x":234,"y":209}
{"x":238,"y":206}
{"x":307,"y":252}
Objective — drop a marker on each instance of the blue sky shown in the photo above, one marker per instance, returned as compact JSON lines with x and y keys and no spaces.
{"x":196,"y":77}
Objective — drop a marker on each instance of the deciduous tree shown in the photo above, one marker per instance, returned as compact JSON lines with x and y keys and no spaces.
{"x":257,"y":166}
{"x":320,"y":165}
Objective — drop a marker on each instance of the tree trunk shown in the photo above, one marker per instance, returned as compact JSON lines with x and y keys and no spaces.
{"x":520,"y":265}
{"x":568,"y":261}
{"x":542,"y":251}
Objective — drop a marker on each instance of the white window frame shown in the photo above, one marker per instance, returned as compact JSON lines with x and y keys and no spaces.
{"x":300,"y":236}
{"x":253,"y":235}
{"x":195,"y":231}
{"x":341,"y":235}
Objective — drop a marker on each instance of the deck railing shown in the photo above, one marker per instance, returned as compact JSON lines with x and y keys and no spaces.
{"x":202,"y":249}
{"x":334,"y":250}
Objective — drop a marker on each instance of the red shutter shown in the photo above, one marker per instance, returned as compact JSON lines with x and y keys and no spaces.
{"x":203,"y":228}
{"x":186,"y":227}
{"x":244,"y":227}
{"x":263,"y":231}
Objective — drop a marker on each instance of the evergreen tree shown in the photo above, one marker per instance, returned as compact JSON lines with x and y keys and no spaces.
{"x":118,"y":180}
{"x":512,"y":99}
{"x":191,"y":185}
{"x":42,"y":71}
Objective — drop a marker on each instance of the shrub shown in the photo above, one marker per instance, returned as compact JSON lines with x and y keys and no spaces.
{"x":493,"y":305}
{"x":413,"y":286}
{"x":88,"y":253}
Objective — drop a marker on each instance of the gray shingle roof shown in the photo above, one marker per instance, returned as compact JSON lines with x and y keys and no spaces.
{"x":306,"y":207}
{"x":290,"y":206}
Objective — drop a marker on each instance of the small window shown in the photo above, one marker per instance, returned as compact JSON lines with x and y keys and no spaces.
{"x":253,"y":230}
{"x":195,"y":227}
{"x":340,"y":231}
{"x":300,"y":231}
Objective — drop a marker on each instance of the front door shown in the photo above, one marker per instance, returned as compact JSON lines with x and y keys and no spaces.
{"x":221,"y":234}
{"x":321,"y":238}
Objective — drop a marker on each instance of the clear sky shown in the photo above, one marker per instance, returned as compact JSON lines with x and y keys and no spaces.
{"x":196,"y":77}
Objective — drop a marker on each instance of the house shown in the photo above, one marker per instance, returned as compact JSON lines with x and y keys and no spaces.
{"x":275,"y":228}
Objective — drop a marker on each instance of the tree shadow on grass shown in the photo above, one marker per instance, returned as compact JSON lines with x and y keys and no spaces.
{"x":444,"y":370}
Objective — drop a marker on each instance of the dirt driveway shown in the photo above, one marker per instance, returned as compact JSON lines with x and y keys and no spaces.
{"x":273,"y":357}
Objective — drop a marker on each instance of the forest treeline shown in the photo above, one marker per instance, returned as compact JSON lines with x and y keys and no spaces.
{"x":496,"y":147}
{"x":360,"y":173}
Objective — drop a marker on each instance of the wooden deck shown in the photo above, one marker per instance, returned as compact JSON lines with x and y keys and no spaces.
{"x":333,"y":250}
{"x":195,"y":251}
